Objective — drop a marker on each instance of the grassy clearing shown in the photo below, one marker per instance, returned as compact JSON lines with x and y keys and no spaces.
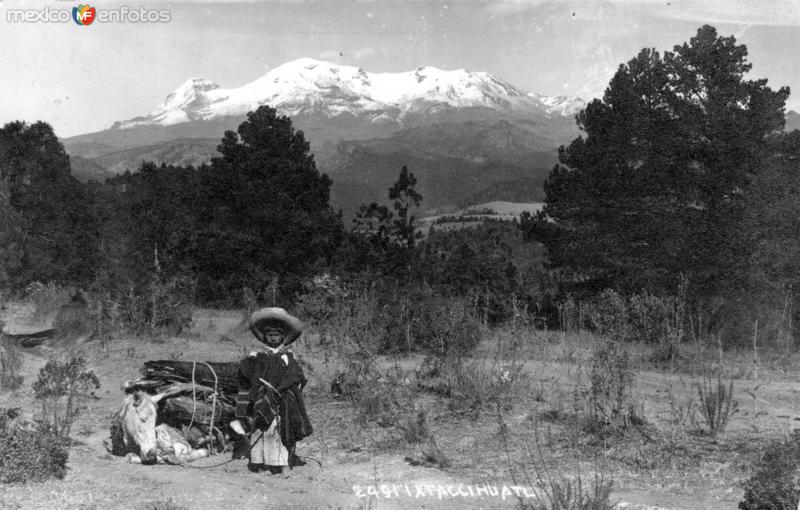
{"x":526,"y":406}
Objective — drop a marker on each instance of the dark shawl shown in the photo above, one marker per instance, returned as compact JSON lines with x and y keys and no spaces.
{"x":262,"y":404}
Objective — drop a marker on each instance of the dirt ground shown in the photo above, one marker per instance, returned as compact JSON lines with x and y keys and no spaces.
{"x":357,"y":466}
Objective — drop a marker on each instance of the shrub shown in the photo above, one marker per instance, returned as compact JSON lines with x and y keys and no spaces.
{"x":385,"y":317}
{"x":157,"y":307}
{"x":651,"y":319}
{"x":774,"y":484}
{"x":382,"y":400}
{"x":415,"y":429}
{"x":163,"y":305}
{"x":640,"y":317}
{"x":610,"y":394}
{"x":555,"y":491}
{"x":475,"y":385}
{"x":608,"y":315}
{"x":561,"y":493}
{"x":319,"y":299}
{"x":28,"y":452}
{"x":716,"y":404}
{"x":430,"y":455}
{"x":667,"y":355}
{"x":355,"y":323}
{"x":68,"y":381}
{"x":422,"y":320}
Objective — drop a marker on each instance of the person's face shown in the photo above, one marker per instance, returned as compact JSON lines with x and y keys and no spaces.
{"x":273,"y":337}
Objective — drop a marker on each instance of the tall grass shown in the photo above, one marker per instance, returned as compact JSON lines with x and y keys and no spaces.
{"x":716,"y":405}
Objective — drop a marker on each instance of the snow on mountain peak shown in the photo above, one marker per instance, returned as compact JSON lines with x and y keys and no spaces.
{"x":189,"y":92}
{"x":308,"y":85}
{"x":560,"y":105}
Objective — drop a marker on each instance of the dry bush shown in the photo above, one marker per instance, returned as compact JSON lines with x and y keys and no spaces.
{"x":562,"y":493}
{"x":775,"y":483}
{"x":653,"y":319}
{"x":715,"y":404}
{"x":29,"y":452}
{"x":383,"y":400}
{"x":390,"y":318}
{"x":421,"y":320}
{"x":104,"y":313}
{"x":162,"y":306}
{"x":669,"y":356}
{"x":415,"y":428}
{"x":610,"y":405}
{"x":608,"y":315}
{"x":352,"y":323}
{"x":321,"y":298}
{"x":556,"y":491}
{"x":430,"y":455}
{"x":638,"y":318}
{"x":475,"y":385}
{"x":67,"y":382}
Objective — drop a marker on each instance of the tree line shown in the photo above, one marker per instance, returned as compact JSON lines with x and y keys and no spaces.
{"x":682,"y":182}
{"x":255,"y":218}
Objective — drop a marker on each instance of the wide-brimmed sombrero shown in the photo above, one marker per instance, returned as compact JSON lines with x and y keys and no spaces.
{"x":277,"y":318}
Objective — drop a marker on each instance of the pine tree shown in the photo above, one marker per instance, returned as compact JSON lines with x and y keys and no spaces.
{"x":53,"y":235}
{"x":266,"y":212}
{"x":655,"y":187}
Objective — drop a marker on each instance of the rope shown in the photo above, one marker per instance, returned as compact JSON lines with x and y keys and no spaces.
{"x":194,"y":399}
{"x":183,"y":464}
{"x":213,"y":403}
{"x":252,"y":445}
{"x":213,"y":406}
{"x":268,"y":385}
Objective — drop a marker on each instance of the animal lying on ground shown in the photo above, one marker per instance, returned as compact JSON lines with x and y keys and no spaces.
{"x":134,"y":433}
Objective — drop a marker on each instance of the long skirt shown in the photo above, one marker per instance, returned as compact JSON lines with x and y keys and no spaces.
{"x":267,"y":448}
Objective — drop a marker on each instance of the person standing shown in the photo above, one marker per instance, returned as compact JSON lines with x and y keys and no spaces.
{"x":270,"y":399}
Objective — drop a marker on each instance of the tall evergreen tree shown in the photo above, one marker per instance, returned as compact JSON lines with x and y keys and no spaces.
{"x":53,"y":235}
{"x":266,"y":212}
{"x":655,"y":186}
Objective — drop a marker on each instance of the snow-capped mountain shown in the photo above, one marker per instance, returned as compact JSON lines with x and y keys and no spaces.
{"x":465,"y":134}
{"x":313,"y":87}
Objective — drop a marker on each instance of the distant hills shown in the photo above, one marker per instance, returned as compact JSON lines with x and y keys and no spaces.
{"x":468,"y":136}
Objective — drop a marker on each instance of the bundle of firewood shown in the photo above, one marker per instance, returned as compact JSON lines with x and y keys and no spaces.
{"x":190,"y":387}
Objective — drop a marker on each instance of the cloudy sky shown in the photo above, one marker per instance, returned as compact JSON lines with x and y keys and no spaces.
{"x":81,"y":79}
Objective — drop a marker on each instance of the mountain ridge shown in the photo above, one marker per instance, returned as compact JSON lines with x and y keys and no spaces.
{"x":308,"y":86}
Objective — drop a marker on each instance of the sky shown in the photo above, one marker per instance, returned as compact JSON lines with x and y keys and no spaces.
{"x":83,"y":78}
